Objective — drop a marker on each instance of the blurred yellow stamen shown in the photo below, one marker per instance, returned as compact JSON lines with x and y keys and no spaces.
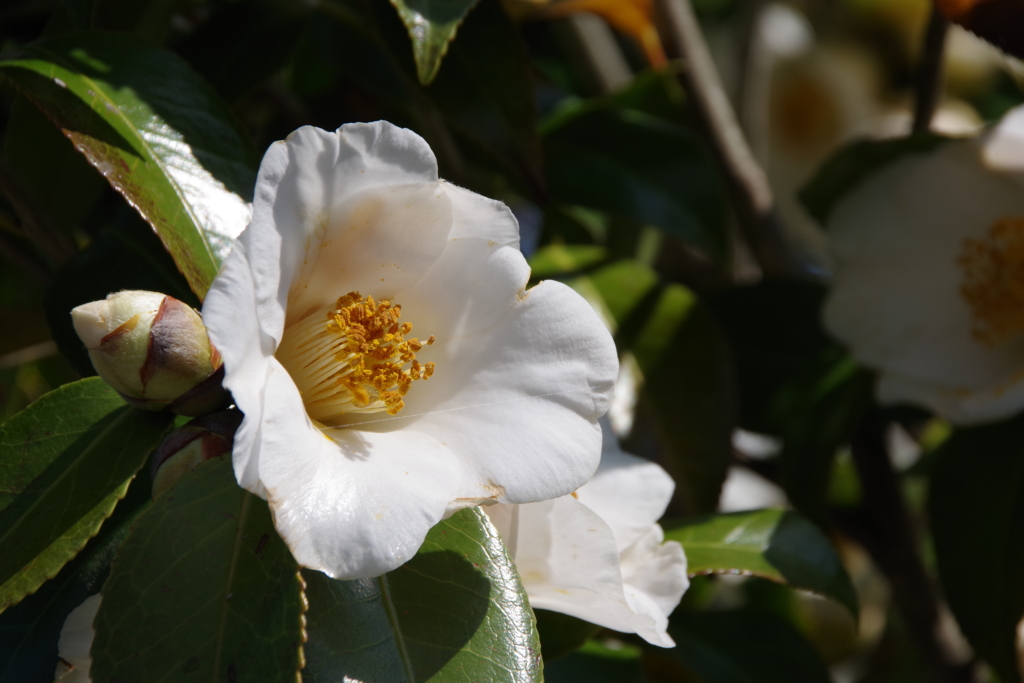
{"x":993,"y":281}
{"x":353,"y":358}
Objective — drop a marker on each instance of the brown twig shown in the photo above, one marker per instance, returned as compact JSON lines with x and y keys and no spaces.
{"x":929,"y":76}
{"x":883,"y":526}
{"x":748,"y":184}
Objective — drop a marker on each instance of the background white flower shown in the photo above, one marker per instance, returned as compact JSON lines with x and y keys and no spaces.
{"x":929,"y":276}
{"x":521,"y":377}
{"x":75,"y":642}
{"x":598,"y":554}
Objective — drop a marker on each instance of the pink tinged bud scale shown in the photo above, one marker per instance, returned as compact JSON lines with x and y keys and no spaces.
{"x":183,"y":449}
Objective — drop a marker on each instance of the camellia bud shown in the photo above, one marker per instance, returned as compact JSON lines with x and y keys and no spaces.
{"x":203,"y":438}
{"x":154,"y":350}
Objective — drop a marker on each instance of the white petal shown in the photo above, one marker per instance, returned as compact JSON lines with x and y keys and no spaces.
{"x":311,"y":184}
{"x":654,"y":573}
{"x":629,"y":493}
{"x":75,"y":642}
{"x":517,"y":403}
{"x":232,"y":321}
{"x":568,"y":561}
{"x":960,"y":405}
{"x":1004,"y":145}
{"x":474,"y":215}
{"x":352,"y":504}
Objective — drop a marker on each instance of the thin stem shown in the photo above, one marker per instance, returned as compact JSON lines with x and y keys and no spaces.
{"x":34,"y":223}
{"x":748,"y":184}
{"x":886,"y":532}
{"x":928,"y":80}
{"x":12,"y":250}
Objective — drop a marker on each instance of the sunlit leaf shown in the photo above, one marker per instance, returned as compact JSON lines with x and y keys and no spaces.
{"x":773,"y":544}
{"x":155,"y":130}
{"x":432,"y":25}
{"x":70,"y":456}
{"x":977,"y":523}
{"x":203,"y":586}
{"x":455,"y":612}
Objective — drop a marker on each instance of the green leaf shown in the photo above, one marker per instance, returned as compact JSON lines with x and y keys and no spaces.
{"x":243,"y":44}
{"x":432,"y":25}
{"x":851,"y":165}
{"x":637,"y":166}
{"x":83,"y":450}
{"x":774,"y":330}
{"x":455,"y":612}
{"x":155,"y":130}
{"x":774,"y":544}
{"x":744,"y":646}
{"x":816,"y":413}
{"x":58,"y":179}
{"x":29,"y":631}
{"x":147,"y":19}
{"x":682,"y":355}
{"x":977,"y":522}
{"x":202,"y":587}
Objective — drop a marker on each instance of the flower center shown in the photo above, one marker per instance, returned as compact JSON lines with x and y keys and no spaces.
{"x":353,"y":358}
{"x":993,"y":280}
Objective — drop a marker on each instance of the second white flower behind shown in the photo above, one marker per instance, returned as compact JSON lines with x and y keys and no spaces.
{"x":598,"y":554}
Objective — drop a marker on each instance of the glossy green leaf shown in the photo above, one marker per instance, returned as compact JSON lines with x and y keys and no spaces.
{"x":774,"y":544}
{"x":455,"y":612}
{"x":432,"y":25}
{"x":977,"y":524}
{"x":634,"y":165}
{"x":29,"y":631}
{"x":854,"y":163}
{"x":71,"y":455}
{"x":203,"y":587}
{"x":155,"y":130}
{"x":744,"y":646}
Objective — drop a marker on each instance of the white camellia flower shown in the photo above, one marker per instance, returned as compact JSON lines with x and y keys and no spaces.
{"x":75,"y":642}
{"x":360,"y":436}
{"x":598,"y":554}
{"x":929,"y":276}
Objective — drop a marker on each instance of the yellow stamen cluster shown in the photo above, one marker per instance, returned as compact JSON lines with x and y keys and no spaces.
{"x":993,"y":280}
{"x":353,"y":358}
